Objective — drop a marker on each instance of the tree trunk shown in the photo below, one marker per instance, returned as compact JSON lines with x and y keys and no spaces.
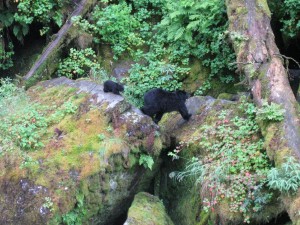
{"x":259,"y":58}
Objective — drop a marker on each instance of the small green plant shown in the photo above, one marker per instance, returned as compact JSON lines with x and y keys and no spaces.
{"x":101,"y":137}
{"x":6,"y":55}
{"x":146,"y":160}
{"x":270,"y":112}
{"x":109,"y":129}
{"x":78,"y":64}
{"x":60,"y":112}
{"x":69,"y":107}
{"x":286,"y":179}
{"x":76,"y":216}
{"x":48,"y":204}
{"x":27,"y":161}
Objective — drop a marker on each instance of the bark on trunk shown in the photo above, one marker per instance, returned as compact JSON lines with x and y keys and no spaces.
{"x":258,"y":57}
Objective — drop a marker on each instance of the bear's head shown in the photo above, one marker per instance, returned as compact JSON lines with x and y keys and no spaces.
{"x":182,"y":95}
{"x":120,"y":87}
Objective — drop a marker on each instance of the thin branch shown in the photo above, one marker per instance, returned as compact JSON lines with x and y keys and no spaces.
{"x":244,"y":63}
{"x":286,"y":57}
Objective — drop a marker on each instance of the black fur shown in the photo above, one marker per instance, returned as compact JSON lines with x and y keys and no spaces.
{"x":158,"y":101}
{"x":111,"y":86}
{"x":294,"y":79}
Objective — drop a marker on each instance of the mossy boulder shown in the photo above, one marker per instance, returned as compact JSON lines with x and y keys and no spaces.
{"x":85,"y":169}
{"x":147,"y":209}
{"x":186,"y":197}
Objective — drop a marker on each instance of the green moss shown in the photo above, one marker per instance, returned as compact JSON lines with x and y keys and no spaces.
{"x":204,"y":218}
{"x":132,"y":160}
{"x":241,"y":10}
{"x":198,"y":74}
{"x":226,"y":96}
{"x":262,"y":4}
{"x":157,"y":146}
{"x":147,"y":209}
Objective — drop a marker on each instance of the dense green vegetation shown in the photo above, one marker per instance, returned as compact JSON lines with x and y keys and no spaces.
{"x":288,"y":13}
{"x":16,"y":17}
{"x":231,"y":165}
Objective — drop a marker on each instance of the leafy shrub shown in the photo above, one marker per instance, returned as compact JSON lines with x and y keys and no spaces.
{"x":43,"y":11}
{"x":270,"y":112}
{"x":286,"y":179}
{"x":78,"y":63}
{"x":234,"y":167}
{"x":6,"y":56}
{"x":201,"y":26}
{"x":76,"y":216}
{"x":291,"y":18}
{"x":114,"y":25}
{"x":155,"y":75}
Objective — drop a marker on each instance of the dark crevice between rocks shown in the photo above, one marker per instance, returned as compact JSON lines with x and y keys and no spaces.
{"x":154,"y":186}
{"x":120,"y":220}
{"x":282,"y":219}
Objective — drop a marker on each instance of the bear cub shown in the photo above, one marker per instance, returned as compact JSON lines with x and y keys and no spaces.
{"x":158,"y":101}
{"x":111,"y":86}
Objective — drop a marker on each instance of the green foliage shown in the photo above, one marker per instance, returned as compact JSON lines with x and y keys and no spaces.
{"x":146,"y":160}
{"x":60,"y":112}
{"x":286,"y":179}
{"x":27,"y":161}
{"x":21,"y":121}
{"x":78,"y":64}
{"x":201,"y":26}
{"x":155,"y":75}
{"x":115,"y":25}
{"x":6,"y":56}
{"x":290,"y":10}
{"x":43,"y":11}
{"x":75,"y":217}
{"x":48,"y":204}
{"x":234,"y":166}
{"x":163,"y":48}
{"x":270,"y":112}
{"x":100,"y":75}
{"x":101,"y":137}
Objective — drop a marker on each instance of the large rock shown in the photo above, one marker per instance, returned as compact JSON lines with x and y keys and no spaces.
{"x":147,"y":209}
{"x":88,"y":170}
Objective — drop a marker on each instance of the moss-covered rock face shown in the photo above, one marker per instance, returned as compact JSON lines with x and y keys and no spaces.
{"x":147,"y":209}
{"x":226,"y":140}
{"x":85,"y":169}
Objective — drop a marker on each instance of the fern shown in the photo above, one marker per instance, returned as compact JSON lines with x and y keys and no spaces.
{"x":286,"y":179}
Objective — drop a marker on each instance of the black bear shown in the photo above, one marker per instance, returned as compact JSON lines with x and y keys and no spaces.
{"x":294,"y":79}
{"x":158,"y":101}
{"x":111,"y":86}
